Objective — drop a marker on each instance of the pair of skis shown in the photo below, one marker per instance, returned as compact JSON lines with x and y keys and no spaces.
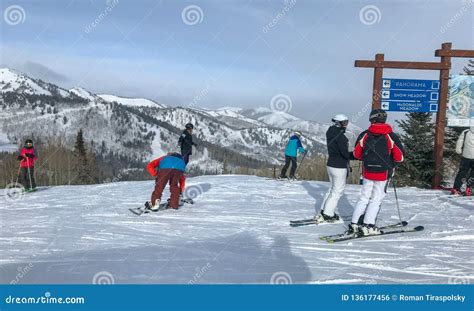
{"x":384,"y":230}
{"x":311,"y":221}
{"x":400,"y":227}
{"x":163,"y":206}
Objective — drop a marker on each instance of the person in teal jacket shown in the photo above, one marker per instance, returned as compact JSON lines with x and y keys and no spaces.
{"x":291,"y":152}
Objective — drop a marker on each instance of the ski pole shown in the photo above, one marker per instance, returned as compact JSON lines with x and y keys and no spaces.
{"x":396,"y":197}
{"x":18,"y":174}
{"x":29,"y":172}
{"x":301,"y":162}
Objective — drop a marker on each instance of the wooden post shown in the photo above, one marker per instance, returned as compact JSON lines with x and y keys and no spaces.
{"x":441,"y":115}
{"x":378,"y":74}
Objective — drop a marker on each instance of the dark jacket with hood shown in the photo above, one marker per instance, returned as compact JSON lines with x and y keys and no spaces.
{"x":338,"y":147}
{"x":186,"y":142}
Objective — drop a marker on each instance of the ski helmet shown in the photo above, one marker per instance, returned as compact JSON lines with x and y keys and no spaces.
{"x":189,"y":126}
{"x":340,"y":120}
{"x":297,"y":133}
{"x":378,"y":116}
{"x":28,"y":143}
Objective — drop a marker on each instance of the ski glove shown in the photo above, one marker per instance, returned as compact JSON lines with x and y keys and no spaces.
{"x":20,"y":158}
{"x":29,"y":155}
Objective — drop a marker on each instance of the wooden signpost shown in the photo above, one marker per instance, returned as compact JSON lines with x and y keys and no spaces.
{"x":443,"y":66}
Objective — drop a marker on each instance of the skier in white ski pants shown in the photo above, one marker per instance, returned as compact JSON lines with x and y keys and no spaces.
{"x":379,"y":149}
{"x":337,"y":166}
{"x":337,"y":178}
{"x":371,"y":197}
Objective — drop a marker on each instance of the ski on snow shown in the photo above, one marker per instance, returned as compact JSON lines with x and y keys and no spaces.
{"x":310,"y":221}
{"x":163,"y":206}
{"x":384,"y":231}
{"x":391,"y":226}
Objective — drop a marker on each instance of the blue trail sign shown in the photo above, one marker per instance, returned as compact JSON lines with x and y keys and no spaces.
{"x":409,"y":95}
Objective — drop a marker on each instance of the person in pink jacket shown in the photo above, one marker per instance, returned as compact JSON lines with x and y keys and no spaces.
{"x":27,"y":158}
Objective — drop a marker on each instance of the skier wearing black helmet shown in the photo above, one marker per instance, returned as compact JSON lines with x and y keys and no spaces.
{"x":186,"y":142}
{"x":379,"y":148}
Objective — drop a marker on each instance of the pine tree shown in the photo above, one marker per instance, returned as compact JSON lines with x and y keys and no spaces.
{"x":81,"y":167}
{"x":418,"y":141}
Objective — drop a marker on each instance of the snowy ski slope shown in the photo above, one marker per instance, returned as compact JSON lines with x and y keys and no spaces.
{"x":236,"y":232}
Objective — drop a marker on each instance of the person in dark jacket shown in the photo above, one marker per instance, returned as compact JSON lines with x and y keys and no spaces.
{"x":291,"y":152}
{"x":27,"y":158}
{"x":186,"y":142}
{"x":337,"y":167}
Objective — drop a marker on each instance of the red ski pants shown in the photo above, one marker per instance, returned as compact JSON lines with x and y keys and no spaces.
{"x":164,"y":176}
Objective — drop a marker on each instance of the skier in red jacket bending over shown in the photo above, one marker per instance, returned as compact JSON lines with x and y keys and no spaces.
{"x":379,"y":148}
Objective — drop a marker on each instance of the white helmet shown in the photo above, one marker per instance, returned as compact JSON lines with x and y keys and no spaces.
{"x":340,"y":120}
{"x":297,"y":133}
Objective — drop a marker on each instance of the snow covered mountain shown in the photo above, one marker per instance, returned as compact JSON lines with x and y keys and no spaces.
{"x":236,"y":232}
{"x":12,"y":81}
{"x":140,"y":129}
{"x":133,"y":102}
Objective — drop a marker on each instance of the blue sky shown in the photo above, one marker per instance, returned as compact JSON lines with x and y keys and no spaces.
{"x":240,"y":53}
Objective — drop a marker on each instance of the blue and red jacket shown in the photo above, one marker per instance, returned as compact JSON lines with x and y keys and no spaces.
{"x":174,"y":162}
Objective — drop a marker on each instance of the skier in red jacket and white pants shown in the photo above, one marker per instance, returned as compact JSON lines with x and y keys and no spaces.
{"x":379,"y":148}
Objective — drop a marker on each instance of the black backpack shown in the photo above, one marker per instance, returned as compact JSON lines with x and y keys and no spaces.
{"x":376,"y":156}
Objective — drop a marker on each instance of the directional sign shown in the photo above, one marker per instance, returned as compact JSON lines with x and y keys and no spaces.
{"x":410,"y":106}
{"x":409,"y":84}
{"x":410,"y":95}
